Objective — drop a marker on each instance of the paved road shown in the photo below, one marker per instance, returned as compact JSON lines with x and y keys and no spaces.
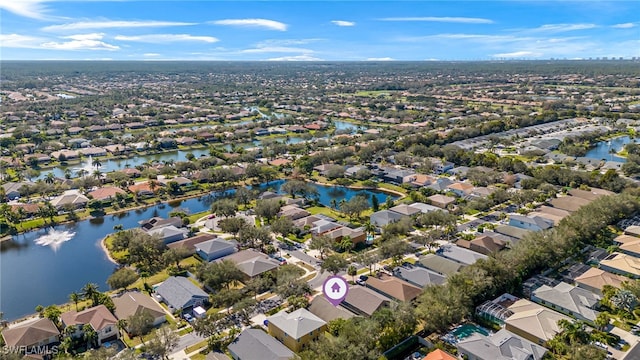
{"x":304,"y":257}
{"x":187,"y":340}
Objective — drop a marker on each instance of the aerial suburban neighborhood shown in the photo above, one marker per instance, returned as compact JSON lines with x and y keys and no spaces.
{"x":487,"y":210}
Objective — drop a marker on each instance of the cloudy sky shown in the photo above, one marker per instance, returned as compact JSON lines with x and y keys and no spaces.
{"x":318,"y":30}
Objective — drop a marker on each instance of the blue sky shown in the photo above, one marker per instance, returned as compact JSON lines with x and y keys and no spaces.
{"x":317,"y":30}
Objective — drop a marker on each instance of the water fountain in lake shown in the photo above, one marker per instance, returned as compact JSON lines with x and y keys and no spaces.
{"x":54,"y":238}
{"x":87,"y":167}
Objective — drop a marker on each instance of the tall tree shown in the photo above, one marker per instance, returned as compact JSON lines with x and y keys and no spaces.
{"x":334,"y":263}
{"x":122,"y":278}
{"x":164,"y":340}
{"x":90,"y":292}
{"x":322,"y":244}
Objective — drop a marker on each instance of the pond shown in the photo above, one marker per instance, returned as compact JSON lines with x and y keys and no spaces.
{"x":109,"y":165}
{"x":42,"y":268}
{"x":607,"y":149}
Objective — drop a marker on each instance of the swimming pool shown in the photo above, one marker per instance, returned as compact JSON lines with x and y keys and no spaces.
{"x":466,"y":330}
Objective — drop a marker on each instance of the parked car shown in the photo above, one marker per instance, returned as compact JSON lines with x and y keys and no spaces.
{"x":188,"y":317}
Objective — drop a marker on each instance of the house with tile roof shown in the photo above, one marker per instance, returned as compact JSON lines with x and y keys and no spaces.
{"x":622,"y":264}
{"x":594,"y":279}
{"x":534,"y":322}
{"x":441,"y":201}
{"x":252,"y":262}
{"x":485,"y":245}
{"x":503,"y":345}
{"x":256,"y":344}
{"x":576,"y":302}
{"x":98,"y":317}
{"x":106,"y":194}
{"x":296,"y":329}
{"x":31,"y":333}
{"x":439,"y":354}
{"x":134,"y":302}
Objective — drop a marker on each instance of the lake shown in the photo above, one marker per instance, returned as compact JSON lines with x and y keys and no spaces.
{"x":32,"y":274}
{"x":603,"y":149}
{"x":109,"y":165}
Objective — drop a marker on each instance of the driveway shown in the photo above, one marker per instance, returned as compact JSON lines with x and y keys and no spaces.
{"x":304,"y":257}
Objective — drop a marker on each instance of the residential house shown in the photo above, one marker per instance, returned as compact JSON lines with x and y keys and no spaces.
{"x":352,"y":170}
{"x":441,"y":201}
{"x":511,"y":231}
{"x":383,"y":218}
{"x":534,"y":322}
{"x":399,"y":176}
{"x":594,"y":279}
{"x":180,"y":180}
{"x":364,"y":301}
{"x":441,"y":167}
{"x":591,"y":194}
{"x":31,"y":335}
{"x":293,"y":212}
{"x":252,"y":262}
{"x":191,"y":242}
{"x":633,"y":230}
{"x":179,"y":293}
{"x":98,"y":317}
{"x":630,"y":248}
{"x":12,"y":189}
{"x":72,"y":198}
{"x":405,"y":210}
{"x":459,"y":254}
{"x":439,"y":354}
{"x":158,"y":222}
{"x":568,"y":299}
{"x":393,"y":287}
{"x":322,"y":308}
{"x":503,"y":345}
{"x":426,"y":208}
{"x":461,"y":189}
{"x":215,"y":248}
{"x":568,"y":203}
{"x":420,"y":180}
{"x":419,"y":276}
{"x":440,"y":264}
{"x":169,"y":234}
{"x":106,"y":194}
{"x":356,"y":235}
{"x":485,"y":245}
{"x":296,"y":329}
{"x":623,"y":264}
{"x":145,"y":188}
{"x":254,"y":344}
{"x":533,"y":223}
{"x":134,"y":302}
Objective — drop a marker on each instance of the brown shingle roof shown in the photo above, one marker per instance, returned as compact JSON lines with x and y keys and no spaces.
{"x":133,"y":302}
{"x":99,"y":317}
{"x":394,"y":287}
{"x":30,"y":334}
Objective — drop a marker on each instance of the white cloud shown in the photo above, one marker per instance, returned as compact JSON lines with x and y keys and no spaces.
{"x":19,"y":41}
{"x":166,"y":38}
{"x":343,"y":23}
{"x":253,"y":23}
{"x":81,"y":42}
{"x":481,"y":38}
{"x":380,"y":59}
{"x":460,"y":20}
{"x":287,"y":42}
{"x":563,"y":27}
{"x":518,"y":54}
{"x":110,"y":24}
{"x":151,"y":55}
{"x":33,"y":9}
{"x":624,"y":26}
{"x":304,"y":57}
{"x":276,"y":49}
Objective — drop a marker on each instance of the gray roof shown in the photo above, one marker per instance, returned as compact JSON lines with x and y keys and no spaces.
{"x":440,"y":264}
{"x":216,"y":245}
{"x":572,"y":298}
{"x":503,"y":345}
{"x":385,"y":217}
{"x":419,"y":276}
{"x":168,"y":231}
{"x":459,"y":254}
{"x":256,"y":344}
{"x":540,"y":222}
{"x":425,"y":208}
{"x":404,"y":209}
{"x":512,"y":231}
{"x":296,"y":324}
{"x":252,"y":262}
{"x":178,"y":291}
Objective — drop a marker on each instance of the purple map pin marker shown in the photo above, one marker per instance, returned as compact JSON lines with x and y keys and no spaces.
{"x":335,"y":289}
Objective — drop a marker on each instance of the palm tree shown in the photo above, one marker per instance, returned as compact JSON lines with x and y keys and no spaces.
{"x":75,"y":297}
{"x":90,"y":335}
{"x":96,"y":162}
{"x":67,"y":173}
{"x":49,"y":178}
{"x":90,"y":291}
{"x":369,"y":228}
{"x":334,"y":204}
{"x":624,"y":300}
{"x":573,"y":332}
{"x":82,"y":173}
{"x":97,"y":174}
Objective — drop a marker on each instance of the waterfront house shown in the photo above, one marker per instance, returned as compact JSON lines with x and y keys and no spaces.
{"x":106,"y":194}
{"x":98,"y":317}
{"x":134,"y":302}
{"x":179,"y":293}
{"x":72,"y":198}
{"x":296,"y":329}
{"x":12,"y":190}
{"x":31,"y":335}
{"x":169,"y":234}
{"x":215,"y":248}
{"x":191,"y":242}
{"x":254,"y":344}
